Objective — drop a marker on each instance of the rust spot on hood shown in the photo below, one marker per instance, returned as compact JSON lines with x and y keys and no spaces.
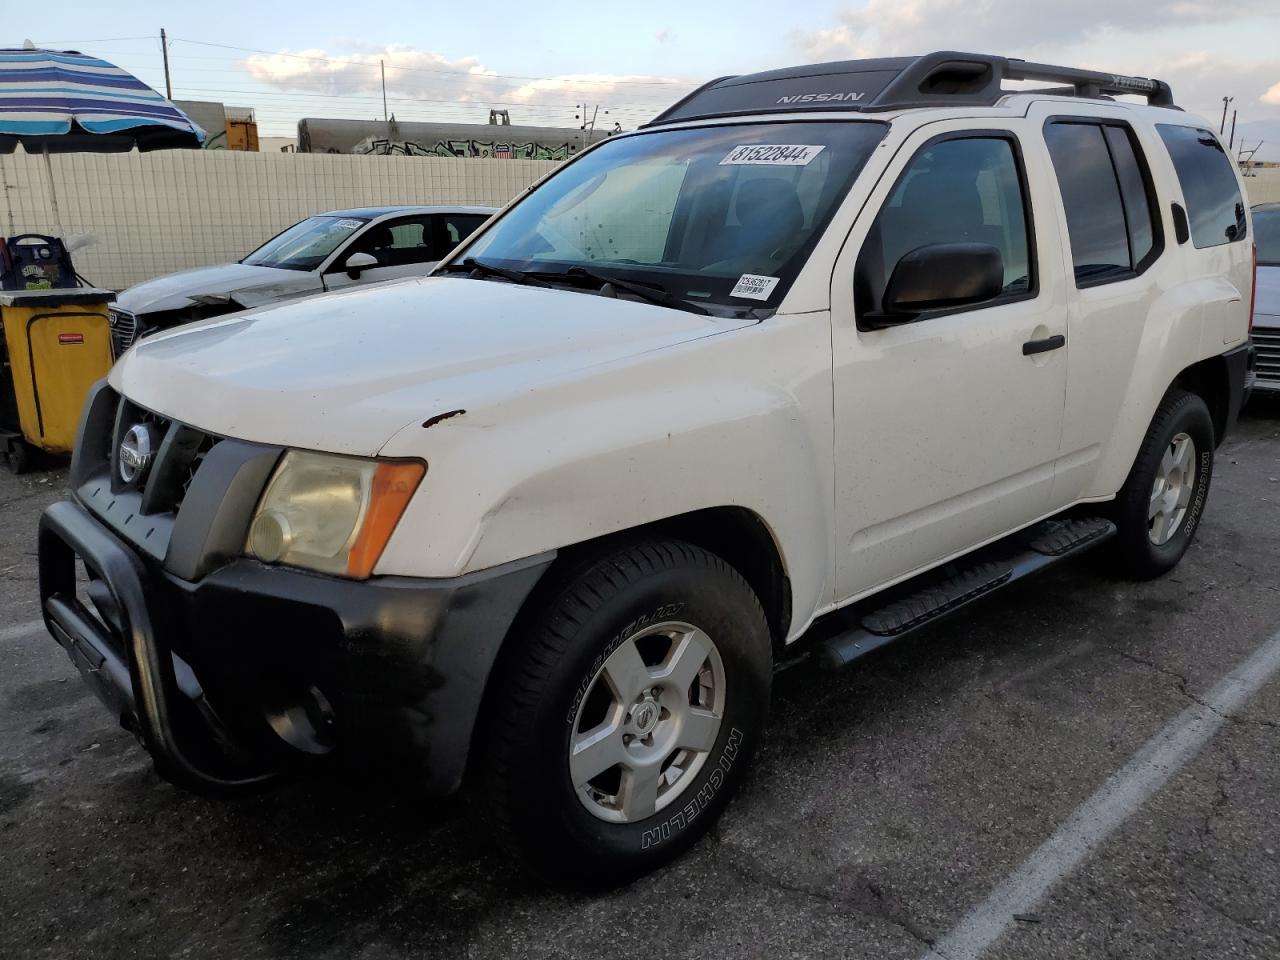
{"x":431,"y":422}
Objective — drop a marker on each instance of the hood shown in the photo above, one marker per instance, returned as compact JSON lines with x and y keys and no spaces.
{"x":173,"y":292}
{"x":344,"y":371}
{"x":1267,"y":302}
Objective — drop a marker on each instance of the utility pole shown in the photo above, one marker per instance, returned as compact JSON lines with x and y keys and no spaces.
{"x":1223,"y":126}
{"x":1232,"y":142}
{"x":382,"y":64}
{"x":588,"y":127}
{"x":164,"y":49}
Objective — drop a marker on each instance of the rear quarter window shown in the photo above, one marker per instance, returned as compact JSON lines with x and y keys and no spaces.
{"x":1215,"y":208}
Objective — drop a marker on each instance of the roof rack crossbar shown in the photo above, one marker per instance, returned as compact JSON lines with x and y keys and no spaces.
{"x":1092,"y":83}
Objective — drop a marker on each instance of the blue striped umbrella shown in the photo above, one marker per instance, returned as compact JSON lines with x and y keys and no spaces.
{"x":63,"y":101}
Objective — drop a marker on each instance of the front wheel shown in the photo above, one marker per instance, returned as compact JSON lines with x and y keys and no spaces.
{"x":625,"y":719}
{"x":1160,"y":506}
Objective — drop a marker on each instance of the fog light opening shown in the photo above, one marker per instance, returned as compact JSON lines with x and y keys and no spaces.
{"x":304,"y":720}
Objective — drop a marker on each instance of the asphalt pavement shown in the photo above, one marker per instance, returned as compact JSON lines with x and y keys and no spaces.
{"x":1029,"y":756}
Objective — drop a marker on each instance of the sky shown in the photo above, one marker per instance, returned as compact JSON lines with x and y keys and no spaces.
{"x":542,"y":60}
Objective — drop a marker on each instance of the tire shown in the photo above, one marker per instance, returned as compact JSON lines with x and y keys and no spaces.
{"x":571,"y":672}
{"x":1149,"y":545}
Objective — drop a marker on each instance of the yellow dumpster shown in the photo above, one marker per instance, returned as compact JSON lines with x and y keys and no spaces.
{"x":56,"y":344}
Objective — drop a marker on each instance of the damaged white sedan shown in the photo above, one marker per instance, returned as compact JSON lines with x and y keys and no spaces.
{"x":325,"y":252}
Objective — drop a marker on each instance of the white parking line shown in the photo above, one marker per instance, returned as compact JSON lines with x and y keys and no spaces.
{"x":21,"y":630}
{"x":1094,"y":820}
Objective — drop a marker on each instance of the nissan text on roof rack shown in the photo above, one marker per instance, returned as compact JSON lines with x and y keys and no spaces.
{"x":813,"y":359}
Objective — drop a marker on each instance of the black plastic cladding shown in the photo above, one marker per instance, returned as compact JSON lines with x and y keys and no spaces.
{"x":942,"y":79}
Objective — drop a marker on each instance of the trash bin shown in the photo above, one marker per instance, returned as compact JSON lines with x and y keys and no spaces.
{"x":56,"y":344}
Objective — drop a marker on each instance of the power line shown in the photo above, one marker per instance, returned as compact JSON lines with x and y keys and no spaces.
{"x":44,"y":43}
{"x":249,"y":93}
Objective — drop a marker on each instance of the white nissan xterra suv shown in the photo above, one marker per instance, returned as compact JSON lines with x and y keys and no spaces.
{"x":813,"y":359}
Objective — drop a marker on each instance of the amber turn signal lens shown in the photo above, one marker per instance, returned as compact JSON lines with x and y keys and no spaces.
{"x":392,"y":488}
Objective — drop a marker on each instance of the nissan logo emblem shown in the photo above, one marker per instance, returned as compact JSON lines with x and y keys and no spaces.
{"x":137,"y":450}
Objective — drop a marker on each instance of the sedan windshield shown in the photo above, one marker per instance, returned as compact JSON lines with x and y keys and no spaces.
{"x":1266,"y":233}
{"x":710,"y":217}
{"x":305,"y":245}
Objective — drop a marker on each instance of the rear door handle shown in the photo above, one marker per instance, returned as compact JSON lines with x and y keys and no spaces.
{"x":1057,"y":341}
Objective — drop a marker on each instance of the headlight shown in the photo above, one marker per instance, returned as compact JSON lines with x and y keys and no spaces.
{"x":329,"y":513}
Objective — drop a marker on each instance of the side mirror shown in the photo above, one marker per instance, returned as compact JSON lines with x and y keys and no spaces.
{"x":942,"y":275}
{"x":358,"y":262}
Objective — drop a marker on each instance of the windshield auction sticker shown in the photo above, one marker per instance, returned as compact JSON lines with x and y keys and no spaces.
{"x":752,"y":287}
{"x":350,"y":224}
{"x":772,"y":155}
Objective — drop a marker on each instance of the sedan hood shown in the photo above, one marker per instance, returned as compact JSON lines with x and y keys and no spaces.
{"x":1266,"y":305}
{"x":344,"y":371}
{"x":257,"y":284}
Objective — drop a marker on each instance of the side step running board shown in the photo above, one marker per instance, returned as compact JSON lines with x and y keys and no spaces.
{"x":856,"y":630}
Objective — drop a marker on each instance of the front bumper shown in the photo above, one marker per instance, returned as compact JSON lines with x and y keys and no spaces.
{"x":230,"y":678}
{"x":1241,"y":365}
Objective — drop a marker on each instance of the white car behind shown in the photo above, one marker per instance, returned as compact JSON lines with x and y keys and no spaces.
{"x":329,"y":251}
{"x":1266,"y":306}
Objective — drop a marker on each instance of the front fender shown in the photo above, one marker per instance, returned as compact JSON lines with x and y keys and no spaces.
{"x":742,"y":419}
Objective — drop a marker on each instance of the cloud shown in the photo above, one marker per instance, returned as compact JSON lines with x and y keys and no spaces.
{"x":430,"y":76}
{"x":409,"y":71}
{"x":900,"y":27}
{"x":663,"y":35}
{"x":1086,"y":33}
{"x":601,"y":87}
{"x":1200,"y":79}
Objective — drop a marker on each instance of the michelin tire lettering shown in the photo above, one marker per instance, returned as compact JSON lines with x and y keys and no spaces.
{"x":699,"y":801}
{"x":664,"y":612}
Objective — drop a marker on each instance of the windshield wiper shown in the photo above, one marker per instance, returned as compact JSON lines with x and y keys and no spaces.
{"x":653,"y":292}
{"x":479,"y":269}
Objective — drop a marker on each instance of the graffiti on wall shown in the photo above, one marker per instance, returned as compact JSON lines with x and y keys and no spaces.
{"x":385,"y":147}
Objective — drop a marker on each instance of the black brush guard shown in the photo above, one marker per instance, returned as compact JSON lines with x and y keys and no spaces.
{"x":122,"y":656}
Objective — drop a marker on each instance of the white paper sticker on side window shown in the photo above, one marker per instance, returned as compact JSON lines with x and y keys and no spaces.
{"x":752,"y":287}
{"x":772,"y":155}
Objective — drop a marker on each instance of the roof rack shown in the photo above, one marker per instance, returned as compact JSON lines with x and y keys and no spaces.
{"x":943,"y":79}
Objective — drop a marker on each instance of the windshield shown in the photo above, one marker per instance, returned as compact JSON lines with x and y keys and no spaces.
{"x":1266,"y":234}
{"x":305,"y":245}
{"x":713,"y":216}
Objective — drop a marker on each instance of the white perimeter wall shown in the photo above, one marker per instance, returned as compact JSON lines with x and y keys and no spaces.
{"x":154,"y":213}
{"x":1265,"y":187}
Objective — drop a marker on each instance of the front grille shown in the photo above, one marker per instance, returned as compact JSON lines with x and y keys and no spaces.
{"x":1267,"y":342}
{"x":124,"y":329}
{"x":180,"y":451}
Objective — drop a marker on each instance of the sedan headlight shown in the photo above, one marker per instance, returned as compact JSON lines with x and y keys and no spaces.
{"x":330,"y":513}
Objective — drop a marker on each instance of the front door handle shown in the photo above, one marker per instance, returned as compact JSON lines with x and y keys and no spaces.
{"x":1055,"y":342}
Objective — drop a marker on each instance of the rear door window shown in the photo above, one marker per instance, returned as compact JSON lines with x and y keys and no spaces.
{"x":452,"y":229}
{"x":1214,"y":206}
{"x":1107,"y":198}
{"x":1137,"y":193}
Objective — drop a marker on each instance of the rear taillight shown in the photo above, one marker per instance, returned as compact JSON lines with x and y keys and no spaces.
{"x":1253,"y":289}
